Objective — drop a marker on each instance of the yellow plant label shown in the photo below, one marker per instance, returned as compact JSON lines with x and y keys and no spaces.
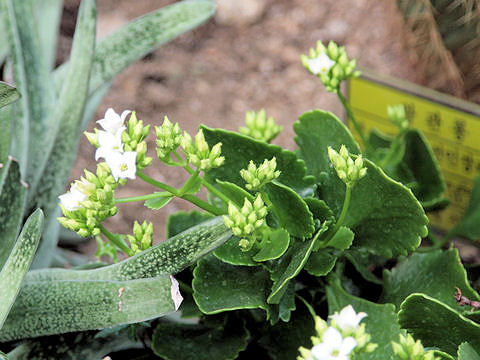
{"x":452,"y":127}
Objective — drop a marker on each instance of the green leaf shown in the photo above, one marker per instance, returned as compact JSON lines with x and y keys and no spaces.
{"x":317,"y":130}
{"x":437,"y":324}
{"x":289,"y":265}
{"x":47,"y":16}
{"x":52,"y":171}
{"x":283,"y":340}
{"x":291,"y":211}
{"x":168,"y":257}
{"x":191,"y":186}
{"x":181,"y":221}
{"x":319,"y":209}
{"x":234,"y":192}
{"x":240,"y":149}
{"x":6,"y":116}
{"x":200,"y":341}
{"x":435,"y":274}
{"x":467,"y":352}
{"x":139,"y":37}
{"x":12,"y":195}
{"x":273,"y":245}
{"x":362,"y":262}
{"x":96,"y":303}
{"x":342,"y":239}
{"x":468,"y":225}
{"x":73,"y":346}
{"x":320,"y":263}
{"x":442,"y":355}
{"x":18,"y":262}
{"x":231,"y":253}
{"x":8,"y":94}
{"x":381,"y":322}
{"x":160,"y":201}
{"x":219,"y":287}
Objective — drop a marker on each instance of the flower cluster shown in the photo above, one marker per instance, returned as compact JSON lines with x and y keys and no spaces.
{"x":89,"y":202}
{"x":142,"y":236}
{"x":199,"y":153}
{"x":331,"y":64}
{"x":348,"y":170}
{"x":168,"y":139}
{"x":409,"y":349}
{"x":397,"y":115}
{"x":339,"y":340}
{"x":258,"y":177}
{"x":246,"y":222}
{"x":259,"y":127}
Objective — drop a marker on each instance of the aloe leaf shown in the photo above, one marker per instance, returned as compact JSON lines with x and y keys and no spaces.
{"x":169,"y":257}
{"x":181,"y":221}
{"x":18,"y":262}
{"x":12,"y":196}
{"x":48,"y":14}
{"x":8,"y":94}
{"x":5,"y":132}
{"x":4,"y":48}
{"x":93,"y":102}
{"x":48,"y":244}
{"x":52,"y":172}
{"x":34,"y":83}
{"x":429,"y":319}
{"x":63,"y":306}
{"x":139,"y":37}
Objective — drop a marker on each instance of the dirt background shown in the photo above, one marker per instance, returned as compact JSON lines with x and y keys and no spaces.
{"x":214,"y":74}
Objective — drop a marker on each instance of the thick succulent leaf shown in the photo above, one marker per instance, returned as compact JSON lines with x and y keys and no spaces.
{"x":8,"y":94}
{"x":18,"y":262}
{"x":437,"y":324}
{"x":468,"y":226}
{"x":291,"y":211}
{"x":240,"y":149}
{"x":93,"y":102}
{"x":12,"y":195}
{"x":3,"y":356}
{"x":283,"y":339}
{"x":181,"y":221}
{"x":160,"y":201}
{"x":34,"y":82}
{"x":342,"y":239}
{"x":53,"y":170}
{"x":319,"y":209}
{"x":231,"y":253}
{"x":139,"y":37}
{"x":362,"y":262}
{"x":235,"y":192}
{"x":55,"y":307}
{"x":168,"y":257}
{"x":321,"y":262}
{"x":315,"y":131}
{"x":200,"y":341}
{"x":74,"y":346}
{"x":47,"y":16}
{"x":435,"y":274}
{"x":218,"y":286}
{"x":48,"y":245}
{"x":290,"y":264}
{"x":6,"y":114}
{"x":4,"y":48}
{"x":381,"y":322}
{"x":273,"y":245}
{"x":384,"y":215}
{"x":467,"y":352}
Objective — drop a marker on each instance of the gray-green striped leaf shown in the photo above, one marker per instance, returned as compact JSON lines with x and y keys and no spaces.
{"x":18,"y":262}
{"x":8,"y":94}
{"x":48,"y":14}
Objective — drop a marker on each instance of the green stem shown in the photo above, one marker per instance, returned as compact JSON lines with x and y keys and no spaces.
{"x":116,"y":240}
{"x":356,"y":125}
{"x":212,"y":189}
{"x":138,"y":198}
{"x":157,"y":184}
{"x":341,"y":218}
{"x":308,"y":306}
{"x":392,"y":151}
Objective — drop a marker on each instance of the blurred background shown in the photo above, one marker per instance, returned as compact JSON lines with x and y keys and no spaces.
{"x":248,"y":57}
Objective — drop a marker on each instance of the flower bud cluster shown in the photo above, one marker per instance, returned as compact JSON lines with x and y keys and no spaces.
{"x":348,"y":170}
{"x":258,"y":177}
{"x":397,"y":115}
{"x":259,"y":127}
{"x":142,"y":236}
{"x":199,"y":153}
{"x":133,"y":139}
{"x":247,"y":221}
{"x":168,"y":139}
{"x":89,"y":202}
{"x":331,"y":64}
{"x":409,"y":349}
{"x":343,"y":337}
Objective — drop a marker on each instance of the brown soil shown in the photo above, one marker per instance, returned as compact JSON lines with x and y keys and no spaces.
{"x":217,"y":72}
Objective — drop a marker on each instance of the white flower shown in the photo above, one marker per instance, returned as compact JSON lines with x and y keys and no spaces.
{"x":175,"y":293}
{"x":321,"y":64}
{"x":348,"y":319}
{"x":112,"y":122}
{"x":122,"y":165}
{"x":333,"y":346}
{"x":72,"y":200}
{"x":109,"y":142}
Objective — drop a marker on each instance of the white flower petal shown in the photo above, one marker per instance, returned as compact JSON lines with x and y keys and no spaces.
{"x":332,"y":337}
{"x":72,"y":200}
{"x":348,"y":344}
{"x":175,"y":293}
{"x":348,"y":319}
{"x":321,"y":64}
{"x":112,"y":121}
{"x":109,"y":143}
{"x":124,"y":115}
{"x":122,"y":165}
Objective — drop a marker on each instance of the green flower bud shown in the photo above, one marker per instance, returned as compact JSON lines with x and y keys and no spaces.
{"x":92,"y":138}
{"x":255,"y":177}
{"x":397,"y":115}
{"x":142,"y":236}
{"x":199,"y":154}
{"x":259,"y":127}
{"x":348,"y":170}
{"x":409,"y":349}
